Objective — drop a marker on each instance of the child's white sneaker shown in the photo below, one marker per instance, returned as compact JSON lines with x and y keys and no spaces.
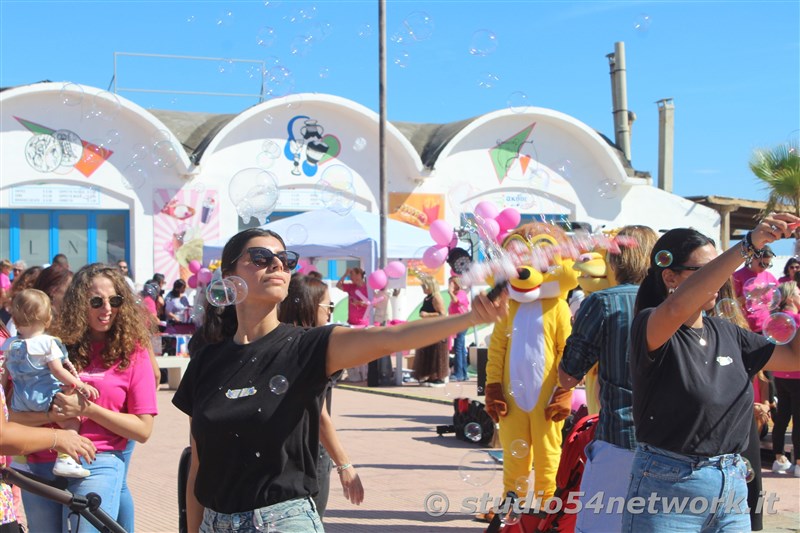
{"x":67,"y":467}
{"x":781,"y":466}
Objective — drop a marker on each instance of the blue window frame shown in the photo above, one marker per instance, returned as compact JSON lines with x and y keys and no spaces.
{"x":83,"y":230}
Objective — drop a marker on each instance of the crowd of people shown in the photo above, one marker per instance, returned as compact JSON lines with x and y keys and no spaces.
{"x":683,"y":392}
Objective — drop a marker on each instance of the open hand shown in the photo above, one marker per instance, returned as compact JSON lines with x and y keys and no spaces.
{"x":351,"y":485}
{"x":68,"y":441}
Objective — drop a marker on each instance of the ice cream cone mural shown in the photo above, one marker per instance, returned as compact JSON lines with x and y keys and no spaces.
{"x":185,"y":219}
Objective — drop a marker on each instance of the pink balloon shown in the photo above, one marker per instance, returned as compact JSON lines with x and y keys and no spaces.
{"x":194,"y":266}
{"x":491,"y":227}
{"x":204,"y":276}
{"x":435,"y":256}
{"x":192,"y":281}
{"x":395,"y":269}
{"x":508,"y":219}
{"x":377,"y":280}
{"x":441,"y":231}
{"x":486,"y":210}
{"x":454,"y":242}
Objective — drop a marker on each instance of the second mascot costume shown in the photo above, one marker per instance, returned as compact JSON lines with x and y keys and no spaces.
{"x":522,"y":368}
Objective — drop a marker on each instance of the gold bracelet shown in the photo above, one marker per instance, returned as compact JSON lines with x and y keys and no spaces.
{"x":55,"y":440}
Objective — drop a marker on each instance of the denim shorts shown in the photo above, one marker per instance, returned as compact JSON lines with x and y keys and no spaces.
{"x":292,"y":516}
{"x":675,"y":492}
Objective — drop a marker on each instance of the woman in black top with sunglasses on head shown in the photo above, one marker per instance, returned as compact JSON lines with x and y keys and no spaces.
{"x":254,"y":393}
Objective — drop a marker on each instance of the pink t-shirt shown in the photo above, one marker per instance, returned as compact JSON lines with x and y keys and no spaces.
{"x":5,"y":281}
{"x":356,"y":304}
{"x":754,"y":319}
{"x":789,"y":375}
{"x":459,"y":305}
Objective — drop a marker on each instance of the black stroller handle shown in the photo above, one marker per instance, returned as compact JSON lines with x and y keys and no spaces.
{"x":87,"y":506}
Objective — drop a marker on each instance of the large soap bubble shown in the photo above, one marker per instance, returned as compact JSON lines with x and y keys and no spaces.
{"x":254,"y":192}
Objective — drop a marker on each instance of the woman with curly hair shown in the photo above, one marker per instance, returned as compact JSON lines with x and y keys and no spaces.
{"x":107,"y":340}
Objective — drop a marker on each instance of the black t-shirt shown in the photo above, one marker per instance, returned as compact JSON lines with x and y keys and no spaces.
{"x":693,"y":399}
{"x":256,"y":447}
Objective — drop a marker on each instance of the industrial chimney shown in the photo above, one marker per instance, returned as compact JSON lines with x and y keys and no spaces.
{"x":619,"y":96}
{"x":666,"y":143}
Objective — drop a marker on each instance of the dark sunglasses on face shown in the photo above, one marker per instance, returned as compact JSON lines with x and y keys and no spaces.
{"x":684,"y":267}
{"x":329,"y":306}
{"x":263,"y":257}
{"x":114,"y":301}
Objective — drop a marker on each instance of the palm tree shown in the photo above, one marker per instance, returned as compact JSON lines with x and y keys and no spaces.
{"x":779,"y":170}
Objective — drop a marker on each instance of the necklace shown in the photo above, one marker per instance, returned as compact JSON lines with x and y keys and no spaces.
{"x":700,"y":340}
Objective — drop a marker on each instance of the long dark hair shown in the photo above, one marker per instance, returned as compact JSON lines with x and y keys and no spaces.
{"x":680,"y":243}
{"x":300,"y":306}
{"x":221,"y":322}
{"x":177,"y":287}
{"x":790,"y":262}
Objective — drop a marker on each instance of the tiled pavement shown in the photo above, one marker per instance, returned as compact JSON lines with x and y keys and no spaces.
{"x":400,"y":458}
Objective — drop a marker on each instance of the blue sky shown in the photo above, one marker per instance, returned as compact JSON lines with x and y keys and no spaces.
{"x":731,"y":67}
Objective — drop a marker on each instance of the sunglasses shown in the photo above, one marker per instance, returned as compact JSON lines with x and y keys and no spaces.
{"x":684,"y":267}
{"x":114,"y":301}
{"x":263,"y":257}
{"x":328,"y":306}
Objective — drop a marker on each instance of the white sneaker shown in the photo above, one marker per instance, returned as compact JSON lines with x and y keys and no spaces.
{"x":67,"y":467}
{"x":781,"y":466}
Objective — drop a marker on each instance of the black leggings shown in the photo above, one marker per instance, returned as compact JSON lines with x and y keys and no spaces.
{"x":788,"y":409}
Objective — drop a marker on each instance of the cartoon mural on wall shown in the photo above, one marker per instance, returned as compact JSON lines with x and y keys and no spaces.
{"x":183,"y":221}
{"x":61,"y":150}
{"x":307,"y":145}
{"x":420,"y":210}
{"x":508,"y":151}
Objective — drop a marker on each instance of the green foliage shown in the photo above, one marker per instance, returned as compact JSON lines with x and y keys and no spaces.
{"x":779,"y":169}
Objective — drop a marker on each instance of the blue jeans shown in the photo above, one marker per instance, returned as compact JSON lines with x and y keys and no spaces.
{"x":292,"y":516}
{"x":711,"y":491}
{"x":460,"y":350}
{"x":42,"y":514}
{"x":607,"y":472}
{"x":126,"y":514}
{"x":107,"y":472}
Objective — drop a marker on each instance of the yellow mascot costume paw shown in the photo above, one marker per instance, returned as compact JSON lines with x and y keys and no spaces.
{"x":522,"y":369}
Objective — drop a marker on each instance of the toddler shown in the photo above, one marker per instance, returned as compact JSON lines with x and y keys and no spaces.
{"x":38,"y":366}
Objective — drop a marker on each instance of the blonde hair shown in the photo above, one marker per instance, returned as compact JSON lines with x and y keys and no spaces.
{"x":631,"y":263}
{"x":786,"y":290}
{"x":429,"y":283}
{"x":30,"y":307}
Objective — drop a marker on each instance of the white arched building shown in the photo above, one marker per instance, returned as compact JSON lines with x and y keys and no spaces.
{"x":93,"y":175}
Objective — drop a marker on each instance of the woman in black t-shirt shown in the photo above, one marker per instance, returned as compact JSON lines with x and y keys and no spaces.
{"x":692,"y":393}
{"x":254,"y":393}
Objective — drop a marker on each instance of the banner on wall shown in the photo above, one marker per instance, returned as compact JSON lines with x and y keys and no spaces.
{"x":184,"y":220}
{"x":420,"y":210}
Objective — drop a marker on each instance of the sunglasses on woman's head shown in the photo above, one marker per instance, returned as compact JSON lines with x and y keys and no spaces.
{"x":263,"y":257}
{"x":114,"y":301}
{"x":684,"y":267}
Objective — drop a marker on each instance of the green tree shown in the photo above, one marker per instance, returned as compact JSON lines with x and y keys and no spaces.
{"x":779,"y":169}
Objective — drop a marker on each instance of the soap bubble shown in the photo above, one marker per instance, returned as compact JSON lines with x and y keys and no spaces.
{"x":663,"y":258}
{"x":359,"y":144}
{"x":278,"y":385}
{"x":760,"y":295}
{"x":164,"y":154}
{"x":750,"y":474}
{"x":365,"y":30}
{"x":727,"y":308}
{"x":226,"y":291}
{"x":134,"y":176}
{"x":607,"y":189}
{"x":779,"y":328}
{"x":419,"y":26}
{"x":473,"y":432}
{"x":642,"y":23}
{"x":519,"y":449}
{"x":335,"y":189}
{"x":522,"y":485}
{"x":483,"y":43}
{"x":487,"y":80}
{"x":296,"y":234}
{"x":71,"y":94}
{"x":477,"y":468}
{"x":401,"y":58}
{"x":518,"y":102}
{"x":301,"y":45}
{"x":105,"y":105}
{"x":279,"y":81}
{"x":265,"y":36}
{"x":254,"y":192}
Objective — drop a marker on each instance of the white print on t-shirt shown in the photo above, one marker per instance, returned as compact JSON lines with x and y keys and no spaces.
{"x":724,"y":360}
{"x":232,"y":394}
